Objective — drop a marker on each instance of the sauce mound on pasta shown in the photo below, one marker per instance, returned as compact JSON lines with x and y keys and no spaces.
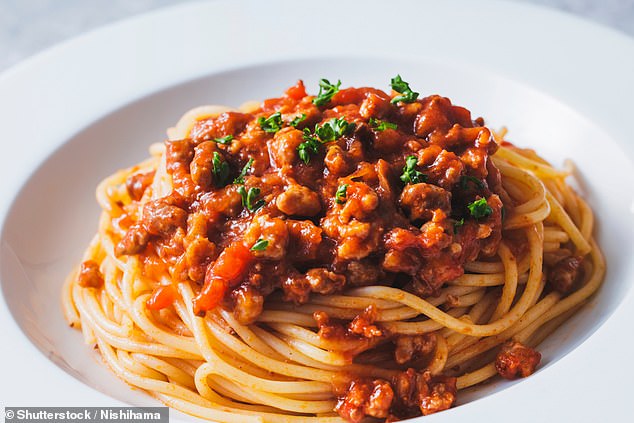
{"x":384,"y":198}
{"x":370,"y":234}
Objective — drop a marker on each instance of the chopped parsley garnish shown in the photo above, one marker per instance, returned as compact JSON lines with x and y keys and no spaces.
{"x":457,"y":224}
{"x":326,"y":92}
{"x":340,"y":196}
{"x":297,"y":120}
{"x":220,"y":170}
{"x":479,"y":208}
{"x":309,"y":147}
{"x":333,"y":129}
{"x":223,"y":140}
{"x":260,"y":245}
{"x":249,"y":198}
{"x":243,"y":172}
{"x":464,"y":182}
{"x":402,"y":87}
{"x":271,"y":124}
{"x":381,"y":125}
{"x":410,"y":174}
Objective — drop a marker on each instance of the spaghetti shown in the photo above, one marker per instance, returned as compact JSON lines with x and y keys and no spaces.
{"x":319,"y":258}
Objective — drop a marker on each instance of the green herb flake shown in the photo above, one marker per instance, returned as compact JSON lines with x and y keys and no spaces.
{"x":220,"y":170}
{"x":271,"y":124}
{"x":464,"y":182}
{"x":309,"y":147}
{"x":333,"y":129}
{"x":457,"y":223}
{"x":326,"y":92}
{"x":226,"y":140}
{"x":381,"y":125}
{"x":479,"y":208}
{"x":341,"y":195}
{"x":260,"y":245}
{"x":297,"y":120}
{"x":402,"y":87}
{"x":410,"y":174}
{"x":243,"y":172}
{"x":249,"y":198}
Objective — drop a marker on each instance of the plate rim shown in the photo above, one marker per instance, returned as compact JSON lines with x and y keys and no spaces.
{"x":46,"y":64}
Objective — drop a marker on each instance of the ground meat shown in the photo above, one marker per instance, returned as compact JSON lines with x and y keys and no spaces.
{"x":337,"y":161}
{"x":137,"y":183}
{"x":271,"y":229}
{"x":420,"y":200}
{"x":435,"y":273}
{"x":446,"y":170}
{"x":226,"y":202}
{"x":361,"y":328}
{"x":179,"y":154}
{"x":423,"y":391}
{"x":436,"y":233}
{"x":361,"y":200}
{"x":283,"y":147}
{"x":363,"y":272}
{"x":161,"y":218}
{"x":441,"y":396}
{"x":412,"y":347}
{"x":436,"y":114}
{"x":227,"y":123}
{"x":516,"y":360}
{"x":201,"y":166}
{"x":89,"y":275}
{"x":323,"y":281}
{"x":563,"y":275}
{"x":406,"y":262}
{"x":358,"y":240}
{"x":248,"y":303}
{"x":198,"y":254}
{"x":475,"y":160}
{"x":375,"y":104}
{"x":298,"y":200}
{"x":365,"y":398}
{"x":304,"y":240}
{"x":363,"y":324}
{"x":296,"y":288}
{"x":329,"y":329}
{"x":490,"y":230}
{"x":133,"y":242}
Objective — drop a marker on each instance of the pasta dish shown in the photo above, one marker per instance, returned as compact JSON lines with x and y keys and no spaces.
{"x":323,"y":258}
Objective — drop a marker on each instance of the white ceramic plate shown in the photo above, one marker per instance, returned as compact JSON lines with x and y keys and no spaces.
{"x":76,"y":113}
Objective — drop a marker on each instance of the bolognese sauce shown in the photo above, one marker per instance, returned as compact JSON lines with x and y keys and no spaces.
{"x":362,"y":190}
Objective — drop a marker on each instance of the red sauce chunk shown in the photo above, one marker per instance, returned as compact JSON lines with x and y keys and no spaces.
{"x":162,"y":297}
{"x":410,"y":393}
{"x":89,"y":275}
{"x":563,"y":275}
{"x":516,"y":360}
{"x":312,"y":199}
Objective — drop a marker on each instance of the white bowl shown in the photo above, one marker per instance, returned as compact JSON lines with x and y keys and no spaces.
{"x":85,"y":109}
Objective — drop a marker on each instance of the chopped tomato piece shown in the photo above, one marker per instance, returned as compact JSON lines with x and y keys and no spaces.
{"x":162,"y":297}
{"x":210,"y":296}
{"x":297,"y":91}
{"x":349,"y":96}
{"x":232,"y":262}
{"x":228,"y":269}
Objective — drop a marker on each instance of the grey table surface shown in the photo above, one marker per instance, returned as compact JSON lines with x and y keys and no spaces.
{"x":30,"y":26}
